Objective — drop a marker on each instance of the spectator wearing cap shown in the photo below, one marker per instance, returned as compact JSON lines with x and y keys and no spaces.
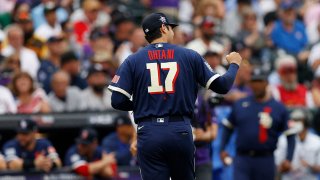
{"x":106,"y":60}
{"x":38,"y":17}
{"x":119,"y":142}
{"x":29,"y":60}
{"x":315,"y":90}
{"x":100,"y":41}
{"x":289,"y":91}
{"x":29,"y":98}
{"x":71,"y":65}
{"x":96,"y":96}
{"x":136,"y":41}
{"x":87,"y":158}
{"x":52,"y":63}
{"x":28,"y":152}
{"x":306,"y":157}
{"x":30,"y":40}
{"x":52,"y":26}
{"x":289,"y":33}
{"x":88,"y":17}
{"x":63,"y":97}
{"x":7,"y":103}
{"x":205,"y":42}
{"x":258,"y":120}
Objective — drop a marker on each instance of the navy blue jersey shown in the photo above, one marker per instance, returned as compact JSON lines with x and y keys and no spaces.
{"x":75,"y":160}
{"x":162,"y":80}
{"x":248,"y":115}
{"x":13,"y":150}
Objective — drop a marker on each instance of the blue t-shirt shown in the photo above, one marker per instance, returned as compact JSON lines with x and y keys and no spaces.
{"x":163,"y":80}
{"x":75,"y":160}
{"x":292,"y":42}
{"x":112,"y":143}
{"x":246,"y":117}
{"x":12,"y":150}
{"x":45,"y":72}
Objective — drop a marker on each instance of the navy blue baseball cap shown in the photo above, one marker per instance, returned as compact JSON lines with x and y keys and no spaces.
{"x":87,"y":136}
{"x":26,"y":126}
{"x":155,"y":21}
{"x":288,"y":4}
{"x":258,"y":74}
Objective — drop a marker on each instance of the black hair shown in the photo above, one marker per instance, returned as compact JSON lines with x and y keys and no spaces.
{"x":68,"y":57}
{"x":153,"y":35}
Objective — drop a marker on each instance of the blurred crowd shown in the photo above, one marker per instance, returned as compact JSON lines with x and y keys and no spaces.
{"x":60,"y":55}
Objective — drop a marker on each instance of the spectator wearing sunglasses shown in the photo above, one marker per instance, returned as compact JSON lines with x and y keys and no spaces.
{"x":289,"y":91}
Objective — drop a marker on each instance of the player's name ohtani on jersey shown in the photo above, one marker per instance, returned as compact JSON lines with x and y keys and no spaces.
{"x":161,"y":54}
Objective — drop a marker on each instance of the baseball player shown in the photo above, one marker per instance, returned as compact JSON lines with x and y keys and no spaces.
{"x":258,"y":121}
{"x":162,"y":80}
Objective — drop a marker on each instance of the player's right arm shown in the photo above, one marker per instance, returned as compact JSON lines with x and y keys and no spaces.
{"x":215,"y":82}
{"x":121,"y":87}
{"x":12,"y":159}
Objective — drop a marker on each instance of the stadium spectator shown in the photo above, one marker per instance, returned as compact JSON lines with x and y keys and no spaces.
{"x":28,"y":58}
{"x":124,"y":27}
{"x":38,"y":17}
{"x":52,"y":63}
{"x":205,"y":131}
{"x":106,"y":60}
{"x":289,"y":91}
{"x":87,"y":18}
{"x":289,"y":33}
{"x":10,"y":66}
{"x":314,"y":57}
{"x":30,"y":40}
{"x":215,"y":62}
{"x":119,"y":142}
{"x":250,"y":33}
{"x":52,"y":26}
{"x":306,"y":159}
{"x":70,"y":64}
{"x":29,"y":98}
{"x":135,"y":42}
{"x":87,"y":158}
{"x":258,"y":120}
{"x":64,"y":98}
{"x":3,"y":164}
{"x":7,"y":104}
{"x":100,"y":42}
{"x":316,"y":88}
{"x":27,"y":151}
{"x":205,"y":42}
{"x":96,"y":97}
{"x":241,"y":87}
{"x":12,"y":16}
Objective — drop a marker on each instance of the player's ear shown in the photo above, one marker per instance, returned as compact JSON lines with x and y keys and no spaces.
{"x":163,"y":29}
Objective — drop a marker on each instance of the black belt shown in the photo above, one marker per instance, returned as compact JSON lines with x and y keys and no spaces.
{"x":254,"y":153}
{"x":174,"y":118}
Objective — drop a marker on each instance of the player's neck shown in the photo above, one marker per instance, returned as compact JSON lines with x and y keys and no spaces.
{"x":162,"y":39}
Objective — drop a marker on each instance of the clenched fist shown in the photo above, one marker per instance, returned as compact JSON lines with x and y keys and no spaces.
{"x":234,"y":57}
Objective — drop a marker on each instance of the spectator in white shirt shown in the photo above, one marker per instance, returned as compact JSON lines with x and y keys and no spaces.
{"x":306,"y":158}
{"x":205,"y":42}
{"x":96,"y":97}
{"x":52,"y":27}
{"x":64,"y":98}
{"x":7,"y":103}
{"x":29,"y":60}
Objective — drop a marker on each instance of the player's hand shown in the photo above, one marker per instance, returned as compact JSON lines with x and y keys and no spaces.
{"x":234,"y":57}
{"x":43,"y":163}
{"x":133,"y":147}
{"x":285,"y":166}
{"x":225,"y":158}
{"x":108,"y":158}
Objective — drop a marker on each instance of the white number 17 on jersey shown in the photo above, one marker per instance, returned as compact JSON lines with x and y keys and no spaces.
{"x":156,"y":87}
